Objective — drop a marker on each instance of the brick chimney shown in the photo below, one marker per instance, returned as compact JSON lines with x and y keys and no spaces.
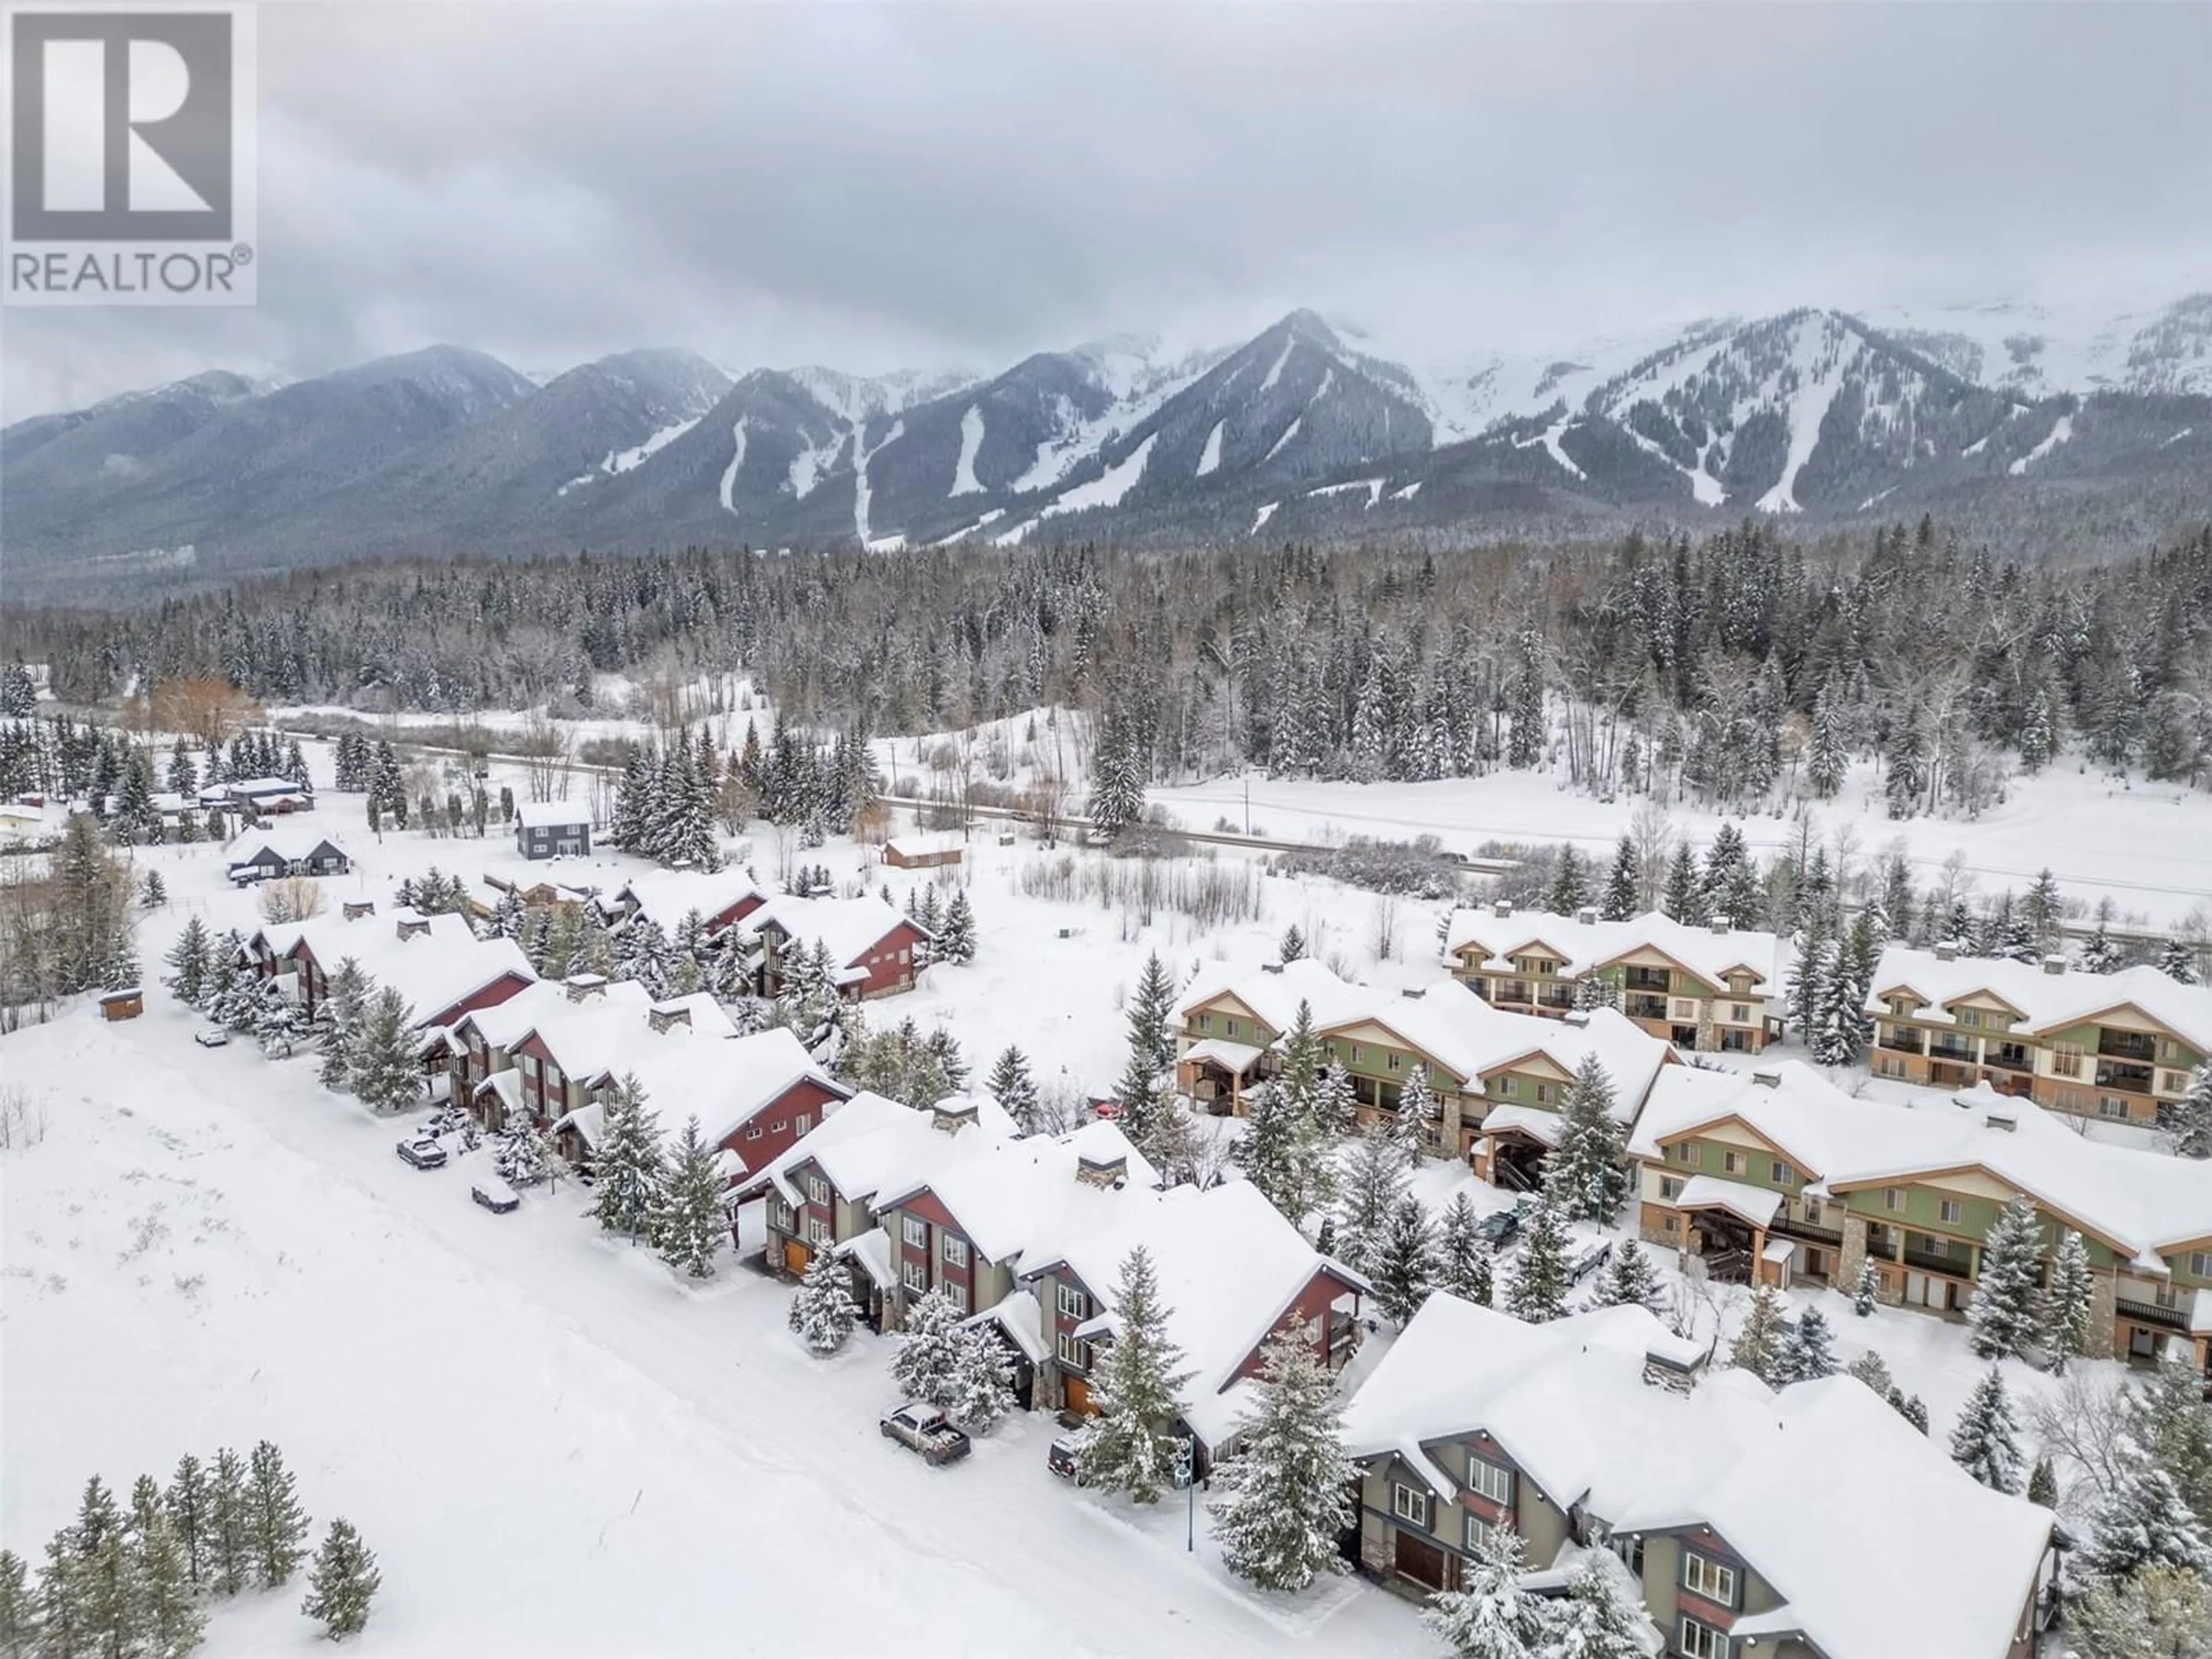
{"x":1947,"y":950}
{"x":581,"y":986}
{"x":1501,"y":909}
{"x":662,"y":1015}
{"x":1719,"y":925}
{"x":412,"y":924}
{"x":953,"y":1113}
{"x":1586,"y":915}
{"x":354,"y":909}
{"x":1110,"y":1173}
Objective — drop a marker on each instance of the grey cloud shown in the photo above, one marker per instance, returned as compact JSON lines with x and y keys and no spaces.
{"x":872,"y":186}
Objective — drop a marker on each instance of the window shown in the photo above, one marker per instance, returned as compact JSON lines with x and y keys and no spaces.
{"x":1073,"y":1304}
{"x":1734,"y":1163}
{"x":1631,"y":1552}
{"x":1482,"y":1538}
{"x":1709,"y":1579}
{"x":1739,"y":1013}
{"x":2066,"y":1059}
{"x":2112,"y":1106}
{"x":753,"y":1132}
{"x":2167,"y":1049}
{"x":1505,"y":1086}
{"x":955,"y":1251}
{"x":779,"y":1127}
{"x":817,"y":1232}
{"x":956,"y":1293}
{"x":1543,"y":1094}
{"x":914,"y":1230}
{"x":817,"y":1190}
{"x":1206,"y":1022}
{"x":916,"y":1275}
{"x":1692,"y":1154}
{"x":1670,"y":1187}
{"x":1075,"y":1355}
{"x":1394,"y":1058}
{"x":1490,"y":1481}
{"x":1971,"y":1018}
{"x":2200,"y":1263}
{"x":1783,"y":1175}
{"x":1811,"y":1212}
{"x":1356,"y":1053}
{"x":1703,"y":1641}
{"x":1949,"y":1211}
{"x":1409,"y":1503}
{"x":1892,"y":1198}
{"x":552,"y":1075}
{"x":802,"y":1123}
{"x":781,"y":1215}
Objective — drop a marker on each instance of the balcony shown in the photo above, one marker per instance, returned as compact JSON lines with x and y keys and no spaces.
{"x":1559,"y":998}
{"x":2149,"y":1313}
{"x":2127,"y":1045}
{"x":1647,"y":979}
{"x":1790,"y":1227}
{"x":1930,"y":1261}
{"x":2009,"y":1057}
{"x":1645,"y":1007}
{"x":1959,"y":1054}
{"x":1512,"y":991}
{"x":2124,"y":1079}
{"x":1902,"y":1043}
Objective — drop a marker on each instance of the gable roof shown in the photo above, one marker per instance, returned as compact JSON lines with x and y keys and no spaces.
{"x":289,"y":842}
{"x":2046,"y":1002}
{"x":552,"y":814}
{"x":2136,"y":1202}
{"x":873,"y":1141}
{"x":433,"y":970}
{"x":1273,"y":993}
{"x":1587,"y":946}
{"x":1568,"y":1403}
{"x":848,"y":926}
{"x":669,"y":896}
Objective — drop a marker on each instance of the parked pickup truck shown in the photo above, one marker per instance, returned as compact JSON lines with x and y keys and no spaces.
{"x":927,"y":1430}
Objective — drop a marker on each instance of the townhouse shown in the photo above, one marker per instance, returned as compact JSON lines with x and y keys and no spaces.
{"x":874,"y":951}
{"x":479,"y":1050}
{"x":1715,"y":989}
{"x":1781,"y":1176}
{"x":1497,"y":1077}
{"x":1600,"y":1438}
{"x":2099,"y":1045}
{"x":284,"y":850}
{"x":255,"y":796}
{"x":552,"y":829}
{"x":721,"y":899}
{"x":442,"y":967}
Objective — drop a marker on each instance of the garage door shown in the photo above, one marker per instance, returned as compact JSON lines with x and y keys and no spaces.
{"x":1420,"y":1561}
{"x":1078,"y":1396}
{"x":796,"y":1255}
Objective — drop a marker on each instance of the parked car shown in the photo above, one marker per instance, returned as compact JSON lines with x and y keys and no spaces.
{"x":927,"y":1429}
{"x":1499,"y":1228}
{"x":423,"y":1154}
{"x":495,"y":1195}
{"x":1586,"y":1254}
{"x":212,"y":1036}
{"x":1065,"y":1459}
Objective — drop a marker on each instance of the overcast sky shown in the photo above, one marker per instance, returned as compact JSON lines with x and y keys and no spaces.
{"x":937,"y":186}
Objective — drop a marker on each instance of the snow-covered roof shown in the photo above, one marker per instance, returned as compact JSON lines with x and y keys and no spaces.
{"x":1539,"y":1124}
{"x":1273,"y":993}
{"x":2136,"y":1202}
{"x":1756,"y":1204}
{"x":1568,"y":1403}
{"x":257,"y":787}
{"x":433,"y":968}
{"x":669,"y":896}
{"x":552,"y":814}
{"x":912,"y":846}
{"x":2046,"y":1001}
{"x":1017,"y":1315}
{"x":873,"y":1250}
{"x":725,"y":1080}
{"x":871,"y":1141}
{"x":1007,"y":1192}
{"x":850,"y":928}
{"x":550,"y":1001}
{"x":290,"y":842}
{"x":1711,"y":954}
{"x":1238,"y":1057}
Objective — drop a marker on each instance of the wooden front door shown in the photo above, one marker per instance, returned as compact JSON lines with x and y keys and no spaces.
{"x":796,"y":1255}
{"x":1420,"y":1561}
{"x":1078,"y":1396}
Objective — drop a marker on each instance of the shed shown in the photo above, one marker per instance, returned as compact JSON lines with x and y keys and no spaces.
{"x":126,"y":1004}
{"x":921,"y":852}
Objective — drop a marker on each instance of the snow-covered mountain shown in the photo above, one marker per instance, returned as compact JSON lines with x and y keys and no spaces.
{"x":1309,"y":429}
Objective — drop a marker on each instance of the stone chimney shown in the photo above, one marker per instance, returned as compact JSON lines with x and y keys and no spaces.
{"x":1111,"y":1174}
{"x":583,"y":986}
{"x":1574,"y":1016}
{"x":953,"y":1113}
{"x":1767,"y":1079}
{"x":412,"y":924}
{"x":1586,"y":915}
{"x":663,"y":1015}
{"x":1501,"y":909}
{"x":1947,"y":950}
{"x":354,"y":909}
{"x":1719,"y":925}
{"x":2054,"y":963}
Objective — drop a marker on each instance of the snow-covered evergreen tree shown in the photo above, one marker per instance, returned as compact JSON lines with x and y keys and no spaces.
{"x":189,"y":1505}
{"x":1759,"y":1339}
{"x":342,"y":1582}
{"x":1986,"y":1442}
{"x":688,"y":1225}
{"x":928,"y":1349}
{"x":2154,"y":1612}
{"x":1280,"y":1505}
{"x":1909,"y":1407}
{"x":230,"y":1539}
{"x":1871,"y":1369}
{"x":1568,"y":889}
{"x":1417,"y":1112}
{"x":629,"y":1166}
{"x":1684,"y":897}
{"x":643,"y":954}
{"x":2063,"y":1314}
{"x":1143,"y":1094}
{"x":1292,"y":946}
{"x":384,"y":1076}
{"x":1490,"y":1616}
{"x":1270,"y":1151}
{"x":2189,"y":1120}
{"x":1624,"y":887}
{"x":1629,"y":1277}
{"x":2003,"y":1315}
{"x":979,"y":1390}
{"x":1373,"y":1180}
{"x":1137,"y":1392}
{"x":1404,"y":1267}
{"x":2101,"y":954}
{"x":1828,"y":755}
{"x":275,"y":1525}
{"x":823,"y":1314}
{"x":1010,"y":1084}
{"x":2178,"y":962}
{"x":2141,"y":1521}
{"x":1807,"y":1351}
{"x":1866,"y":1288}
{"x":1587,"y":1176}
{"x":1464,"y":1261}
{"x":338,"y":1021}
{"x":956,"y":935}
{"x":522,"y":1155}
{"x":188,"y":962}
{"x":1537,"y":1291}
